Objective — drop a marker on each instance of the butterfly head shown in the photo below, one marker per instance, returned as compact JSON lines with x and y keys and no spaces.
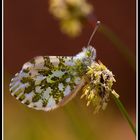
{"x":90,"y":52}
{"x":87,"y":55}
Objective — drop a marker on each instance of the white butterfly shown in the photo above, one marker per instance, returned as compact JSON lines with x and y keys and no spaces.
{"x":48,"y":82}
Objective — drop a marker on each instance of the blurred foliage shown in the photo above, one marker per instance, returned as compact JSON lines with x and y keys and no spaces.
{"x":74,"y":121}
{"x":71,"y":14}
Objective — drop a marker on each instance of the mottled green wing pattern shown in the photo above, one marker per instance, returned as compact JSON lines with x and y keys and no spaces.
{"x":45,"y":83}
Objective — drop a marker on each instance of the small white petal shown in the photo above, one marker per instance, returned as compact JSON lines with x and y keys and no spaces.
{"x":38,"y":89}
{"x":51,"y":103}
{"x":69,"y":63}
{"x":38,"y":104}
{"x":27,"y":65}
{"x":68,"y":80}
{"x":47,"y":92}
{"x":29,"y":96}
{"x":61,"y":86}
{"x":38,"y":79}
{"x":54,"y":60}
{"x":77,"y":80}
{"x":67,"y":90}
{"x":58,"y":73}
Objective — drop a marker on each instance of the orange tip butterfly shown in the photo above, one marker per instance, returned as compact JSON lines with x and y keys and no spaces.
{"x":48,"y":82}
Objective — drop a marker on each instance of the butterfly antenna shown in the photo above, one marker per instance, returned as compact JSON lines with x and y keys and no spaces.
{"x":94,"y":31}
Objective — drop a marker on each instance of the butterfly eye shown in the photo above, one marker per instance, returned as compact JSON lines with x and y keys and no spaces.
{"x":88,"y":53}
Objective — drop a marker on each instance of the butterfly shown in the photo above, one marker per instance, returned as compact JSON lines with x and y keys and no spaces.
{"x":48,"y":82}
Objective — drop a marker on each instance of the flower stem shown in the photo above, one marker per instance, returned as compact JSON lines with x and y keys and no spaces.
{"x":116,"y":41}
{"x":118,"y":44}
{"x":124,"y":113}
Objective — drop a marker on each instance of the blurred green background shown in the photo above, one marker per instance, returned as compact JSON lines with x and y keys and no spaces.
{"x":30,"y":30}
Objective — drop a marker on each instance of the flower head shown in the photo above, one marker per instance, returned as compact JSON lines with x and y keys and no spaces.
{"x":98,"y":87}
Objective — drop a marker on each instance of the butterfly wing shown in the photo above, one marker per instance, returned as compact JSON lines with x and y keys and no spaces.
{"x":45,"y":83}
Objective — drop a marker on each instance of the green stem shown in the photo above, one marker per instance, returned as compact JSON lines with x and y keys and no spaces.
{"x":124,"y":113}
{"x":118,"y":44}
